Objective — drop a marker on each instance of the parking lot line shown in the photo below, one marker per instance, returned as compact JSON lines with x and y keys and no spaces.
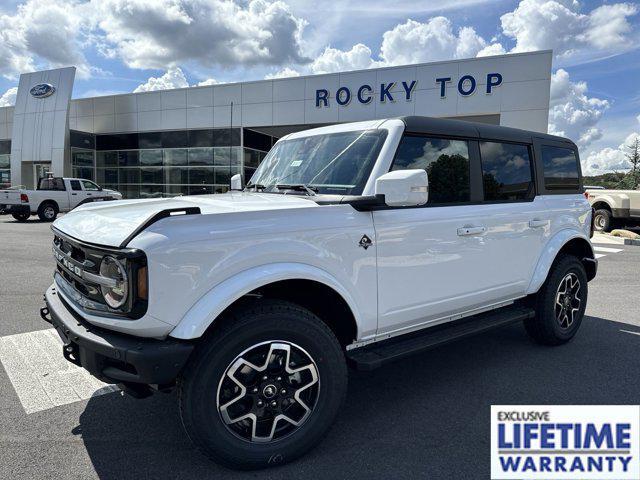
{"x":606,"y":239}
{"x":608,"y":250}
{"x":40,"y":375}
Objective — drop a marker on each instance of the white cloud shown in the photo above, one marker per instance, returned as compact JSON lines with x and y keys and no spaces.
{"x":609,"y":159}
{"x":173,"y":78}
{"x":493,"y":49}
{"x":413,"y":42}
{"x":572,"y":112}
{"x":43,"y":33}
{"x":8,"y":98}
{"x":409,"y":42}
{"x":608,"y":25}
{"x":334,"y":60}
{"x":208,"y":81}
{"x":559,"y":25}
{"x":161,"y":33}
{"x":284,"y":73}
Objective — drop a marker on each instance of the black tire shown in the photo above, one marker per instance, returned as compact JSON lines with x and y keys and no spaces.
{"x":546,"y":327}
{"x":21,"y":217}
{"x":201,"y":383}
{"x":603,"y":221}
{"x":48,"y":211}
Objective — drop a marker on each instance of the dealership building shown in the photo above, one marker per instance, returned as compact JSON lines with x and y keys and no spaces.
{"x":191,"y":140}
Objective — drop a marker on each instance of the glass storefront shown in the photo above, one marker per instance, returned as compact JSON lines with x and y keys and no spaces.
{"x":5,"y":163}
{"x":160,"y":164}
{"x":82,"y":163}
{"x":168,"y":172}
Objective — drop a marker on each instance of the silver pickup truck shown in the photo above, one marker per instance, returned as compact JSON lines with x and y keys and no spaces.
{"x":614,"y":208}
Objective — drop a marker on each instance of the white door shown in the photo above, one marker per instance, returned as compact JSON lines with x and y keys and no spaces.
{"x":456,"y":255}
{"x":91,"y":190}
{"x":76,"y":193}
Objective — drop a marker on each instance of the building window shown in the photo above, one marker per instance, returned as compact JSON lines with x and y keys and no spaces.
{"x":83,"y":163}
{"x":506,"y":171}
{"x":201,"y":157}
{"x":5,"y":170}
{"x":446,"y":162}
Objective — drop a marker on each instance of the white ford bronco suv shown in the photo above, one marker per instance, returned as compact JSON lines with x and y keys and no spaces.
{"x":355,"y":244}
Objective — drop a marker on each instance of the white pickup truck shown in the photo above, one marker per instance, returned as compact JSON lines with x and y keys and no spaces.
{"x":614,"y":208}
{"x":353,"y":244}
{"x":53,"y":195}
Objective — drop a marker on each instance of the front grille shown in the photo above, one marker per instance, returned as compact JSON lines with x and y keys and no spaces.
{"x":75,"y":258}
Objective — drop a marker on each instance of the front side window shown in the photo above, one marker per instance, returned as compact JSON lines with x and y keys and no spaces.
{"x":445,"y":161}
{"x":506,"y":171}
{"x":335,"y":163}
{"x":90,"y":185}
{"x":560,"y":166}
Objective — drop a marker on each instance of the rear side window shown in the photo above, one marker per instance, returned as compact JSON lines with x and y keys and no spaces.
{"x":446,"y":162}
{"x":560,"y":167}
{"x":75,"y":185}
{"x":506,"y":171}
{"x":51,"y":184}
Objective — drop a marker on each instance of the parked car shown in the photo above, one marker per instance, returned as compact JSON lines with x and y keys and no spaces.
{"x":349,"y":246}
{"x":614,"y":208}
{"x":54,"y":195}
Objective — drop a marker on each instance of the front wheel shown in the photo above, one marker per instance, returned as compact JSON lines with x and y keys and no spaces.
{"x":560,"y":303}
{"x":265,"y":387}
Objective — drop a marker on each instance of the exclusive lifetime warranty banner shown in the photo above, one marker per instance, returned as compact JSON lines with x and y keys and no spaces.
{"x":564,"y":442}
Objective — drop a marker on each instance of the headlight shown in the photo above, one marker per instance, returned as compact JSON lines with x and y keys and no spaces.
{"x":115,"y":295}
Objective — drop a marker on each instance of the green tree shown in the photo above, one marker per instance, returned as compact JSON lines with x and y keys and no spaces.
{"x":634,"y":158}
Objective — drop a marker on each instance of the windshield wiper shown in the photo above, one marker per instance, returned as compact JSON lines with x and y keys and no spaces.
{"x":298,"y":187}
{"x":255,"y":186}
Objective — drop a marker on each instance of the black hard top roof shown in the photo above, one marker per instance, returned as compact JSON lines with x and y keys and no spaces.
{"x":459,"y":128}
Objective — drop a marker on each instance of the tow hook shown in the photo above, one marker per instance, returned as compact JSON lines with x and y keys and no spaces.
{"x":45,"y":315}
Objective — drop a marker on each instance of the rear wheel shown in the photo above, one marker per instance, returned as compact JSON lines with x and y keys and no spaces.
{"x":603,"y":221}
{"x":21,"y":217}
{"x":265,"y":387}
{"x":560,"y":303}
{"x":48,"y":212}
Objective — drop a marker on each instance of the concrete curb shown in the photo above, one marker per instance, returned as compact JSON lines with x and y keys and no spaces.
{"x":629,"y":241}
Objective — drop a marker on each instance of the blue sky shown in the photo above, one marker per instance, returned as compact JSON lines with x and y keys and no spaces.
{"x":123,"y":45}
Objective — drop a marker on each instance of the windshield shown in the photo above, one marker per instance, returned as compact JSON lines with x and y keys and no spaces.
{"x":335,"y":163}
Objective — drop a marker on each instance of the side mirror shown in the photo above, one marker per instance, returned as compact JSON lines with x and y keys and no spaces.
{"x":236,"y":182}
{"x":404,"y":188}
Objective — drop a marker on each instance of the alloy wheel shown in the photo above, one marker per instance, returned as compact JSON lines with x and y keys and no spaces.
{"x":49,"y":212}
{"x":599,"y":222}
{"x":268,"y":391}
{"x":568,"y":300}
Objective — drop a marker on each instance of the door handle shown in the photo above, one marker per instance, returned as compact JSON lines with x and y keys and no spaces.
{"x":537,"y":223}
{"x":74,"y":194}
{"x":466,"y":231}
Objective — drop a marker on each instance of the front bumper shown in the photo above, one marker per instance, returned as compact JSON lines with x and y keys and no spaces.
{"x":114,"y":357}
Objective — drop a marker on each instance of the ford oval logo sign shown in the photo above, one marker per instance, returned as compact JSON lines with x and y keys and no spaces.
{"x":42,"y":90}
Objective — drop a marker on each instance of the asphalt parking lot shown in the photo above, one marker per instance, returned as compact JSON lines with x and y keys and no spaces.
{"x":427,"y":417}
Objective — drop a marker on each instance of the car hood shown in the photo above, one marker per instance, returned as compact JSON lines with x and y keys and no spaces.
{"x":114,"y":223}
